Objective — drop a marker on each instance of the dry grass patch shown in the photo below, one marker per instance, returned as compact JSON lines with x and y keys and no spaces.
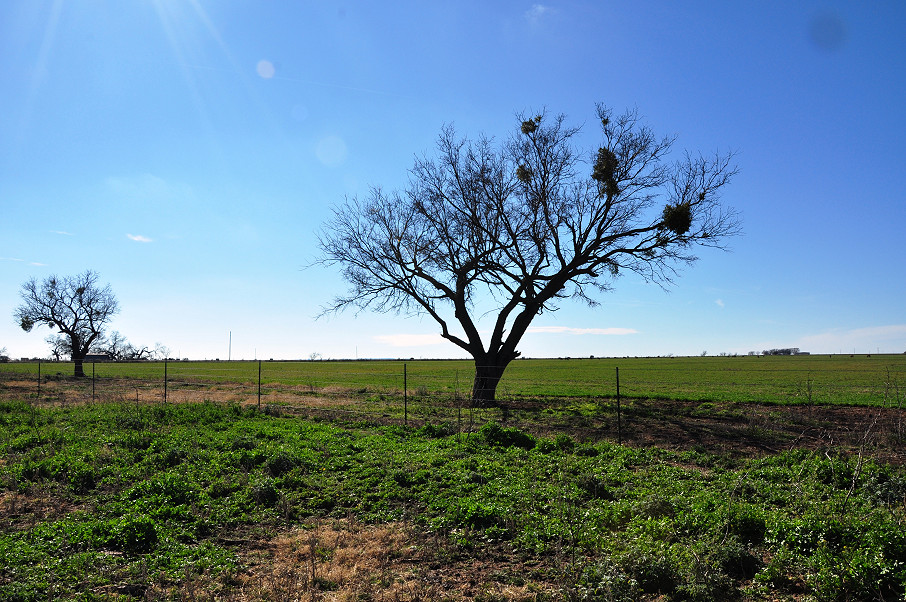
{"x":345,"y":561}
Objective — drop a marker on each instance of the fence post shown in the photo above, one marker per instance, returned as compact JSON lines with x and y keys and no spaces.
{"x":405,"y":397}
{"x":39,"y":381}
{"x":165,"y":380}
{"x":92,"y":382}
{"x":619,"y":417}
{"x":458,"y":403}
{"x":259,"y":385}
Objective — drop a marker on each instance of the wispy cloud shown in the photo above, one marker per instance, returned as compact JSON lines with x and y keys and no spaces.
{"x":719,"y":303}
{"x":536,"y":13}
{"x":145,"y":188}
{"x":16,"y":259}
{"x":580,"y":331}
{"x":62,"y":232}
{"x":140,"y":186}
{"x":139,"y":238}
{"x":410,"y":340}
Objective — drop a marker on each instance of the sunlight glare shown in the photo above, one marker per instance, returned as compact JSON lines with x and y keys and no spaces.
{"x":331,"y":151}
{"x":265,"y":69}
{"x":39,"y":72}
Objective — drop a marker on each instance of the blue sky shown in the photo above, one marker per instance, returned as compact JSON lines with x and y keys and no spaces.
{"x":189,"y":150}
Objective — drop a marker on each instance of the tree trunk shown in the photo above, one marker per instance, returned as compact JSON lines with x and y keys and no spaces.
{"x":79,"y":368}
{"x":77,"y":353}
{"x":484,"y":388}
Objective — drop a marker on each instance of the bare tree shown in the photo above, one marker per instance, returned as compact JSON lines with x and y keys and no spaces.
{"x":509,"y":230}
{"x":160,"y":351}
{"x":75,"y":305}
{"x":116,"y":346}
{"x":120,"y":349}
{"x":134,"y":353}
{"x":60,"y":346}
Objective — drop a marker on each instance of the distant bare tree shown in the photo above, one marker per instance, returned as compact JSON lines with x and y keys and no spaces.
{"x":138,"y":353}
{"x":60,"y":346}
{"x":120,"y":349}
{"x":75,"y":305}
{"x":116,"y":346}
{"x":160,"y":351}
{"x":509,"y":230}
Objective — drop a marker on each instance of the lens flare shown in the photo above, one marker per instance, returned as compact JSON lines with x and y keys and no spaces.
{"x":265,"y":69}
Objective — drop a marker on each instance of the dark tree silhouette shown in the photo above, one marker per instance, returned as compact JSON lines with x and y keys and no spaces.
{"x":75,"y":305}
{"x":120,"y":349}
{"x":60,"y":346}
{"x":514,"y":228}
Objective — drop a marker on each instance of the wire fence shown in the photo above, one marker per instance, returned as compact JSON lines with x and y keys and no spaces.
{"x":356,"y":394}
{"x":427,"y":386}
{"x":627,"y":399}
{"x":863,"y":380}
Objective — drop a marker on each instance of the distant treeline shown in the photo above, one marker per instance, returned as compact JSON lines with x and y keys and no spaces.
{"x":787,"y":351}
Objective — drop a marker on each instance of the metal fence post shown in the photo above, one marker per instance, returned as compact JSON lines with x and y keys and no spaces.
{"x":405,"y":397}
{"x":165,"y":380}
{"x":39,"y":381}
{"x":458,"y":404}
{"x":259,"y":384}
{"x":92,"y":382}
{"x":619,"y":417}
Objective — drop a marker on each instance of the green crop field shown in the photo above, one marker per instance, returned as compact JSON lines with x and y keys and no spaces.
{"x":836,"y":379}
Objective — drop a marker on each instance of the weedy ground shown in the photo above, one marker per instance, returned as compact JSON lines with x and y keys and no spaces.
{"x":215,"y":501}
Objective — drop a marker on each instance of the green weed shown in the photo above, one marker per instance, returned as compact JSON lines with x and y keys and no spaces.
{"x":131,"y":490}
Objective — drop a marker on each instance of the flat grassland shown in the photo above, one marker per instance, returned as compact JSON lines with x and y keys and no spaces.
{"x":748,"y":478}
{"x":825,"y":379}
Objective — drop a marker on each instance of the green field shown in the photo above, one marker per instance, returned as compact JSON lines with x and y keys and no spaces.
{"x":837,"y":379}
{"x":113,"y":501}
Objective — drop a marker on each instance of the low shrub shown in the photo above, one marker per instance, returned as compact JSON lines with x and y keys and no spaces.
{"x":82,"y":478}
{"x":265,"y":493}
{"x":136,"y":534}
{"x":564,"y":442}
{"x":654,"y":572}
{"x":496,"y":435}
{"x":747,"y":523}
{"x":435,"y":431}
{"x":594,"y":487}
{"x":280,"y":463}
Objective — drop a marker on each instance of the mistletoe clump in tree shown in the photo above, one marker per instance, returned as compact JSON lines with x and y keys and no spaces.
{"x":510,"y":230}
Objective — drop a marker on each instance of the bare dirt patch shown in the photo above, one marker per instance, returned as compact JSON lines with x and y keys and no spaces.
{"x":21,"y":511}
{"x":736,"y":429}
{"x":753,"y":430}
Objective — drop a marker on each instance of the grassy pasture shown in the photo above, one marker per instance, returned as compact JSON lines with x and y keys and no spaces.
{"x":212,"y":501}
{"x":824,"y":380}
{"x":754,"y":497}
